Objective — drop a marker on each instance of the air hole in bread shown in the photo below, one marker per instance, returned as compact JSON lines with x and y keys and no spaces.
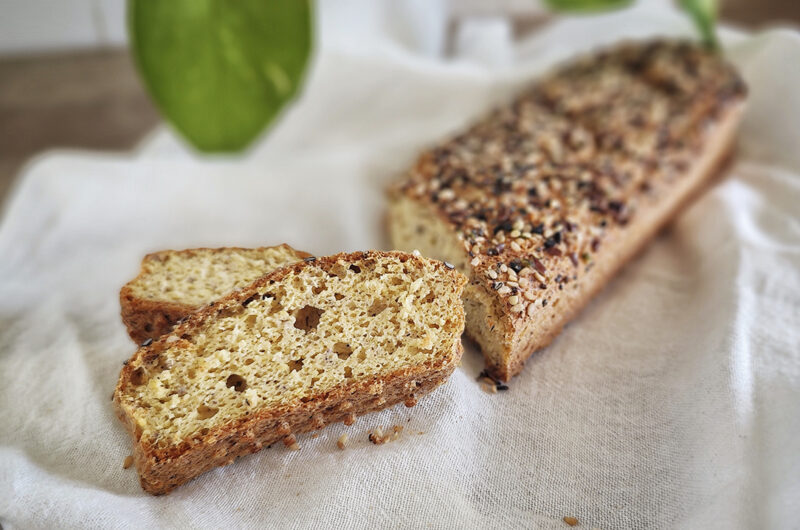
{"x":138,"y":376}
{"x":250,"y":321}
{"x":204,"y":412}
{"x":342,"y":350}
{"x":236,"y":382}
{"x":376,"y":307}
{"x":317,"y":289}
{"x":248,"y":361}
{"x":338,"y":296}
{"x":355,"y":268}
{"x":307,"y":318}
{"x":338,"y":270}
{"x":348,"y":372}
{"x":295,"y":365}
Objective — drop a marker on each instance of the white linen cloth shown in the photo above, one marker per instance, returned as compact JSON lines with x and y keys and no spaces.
{"x":673,"y":400}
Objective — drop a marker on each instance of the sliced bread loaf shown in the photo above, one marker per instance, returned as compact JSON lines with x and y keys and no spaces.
{"x":175,"y":283}
{"x":313,"y":343}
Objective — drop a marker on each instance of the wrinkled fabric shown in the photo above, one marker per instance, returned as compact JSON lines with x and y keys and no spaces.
{"x":672,"y":400}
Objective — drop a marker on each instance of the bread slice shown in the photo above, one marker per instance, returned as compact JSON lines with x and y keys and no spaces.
{"x":175,"y":283}
{"x":309,"y":344}
{"x":542,"y":201}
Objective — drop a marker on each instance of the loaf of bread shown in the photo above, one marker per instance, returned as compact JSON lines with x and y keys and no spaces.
{"x":175,"y":283}
{"x":544,"y":199}
{"x":313,"y":343}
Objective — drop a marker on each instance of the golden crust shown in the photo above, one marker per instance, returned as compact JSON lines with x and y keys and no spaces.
{"x":149,"y":319}
{"x":163,"y":468}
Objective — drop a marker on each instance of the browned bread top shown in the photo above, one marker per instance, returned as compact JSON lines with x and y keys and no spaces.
{"x":299,"y":347}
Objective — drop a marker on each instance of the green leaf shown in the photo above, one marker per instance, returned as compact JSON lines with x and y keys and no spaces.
{"x":587,"y":5}
{"x":704,"y":15}
{"x":220,"y":70}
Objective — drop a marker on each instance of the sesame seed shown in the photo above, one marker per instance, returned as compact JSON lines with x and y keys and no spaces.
{"x":309,"y":259}
{"x":416,"y":252}
{"x":513,"y":300}
{"x":504,"y":290}
{"x":447,"y":195}
{"x":449,"y":265}
{"x":514,"y":234}
{"x":491,"y":274}
{"x":503,"y":268}
{"x":531,"y":310}
{"x":147,"y":342}
{"x":475,"y":261}
{"x":515,"y":246}
{"x":518,"y":308}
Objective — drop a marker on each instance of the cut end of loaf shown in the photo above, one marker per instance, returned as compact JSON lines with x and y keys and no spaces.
{"x":174,"y":283}
{"x":306,"y":345}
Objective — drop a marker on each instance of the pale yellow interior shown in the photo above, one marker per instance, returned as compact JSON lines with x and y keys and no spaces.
{"x":197,"y":277}
{"x":310,"y":331}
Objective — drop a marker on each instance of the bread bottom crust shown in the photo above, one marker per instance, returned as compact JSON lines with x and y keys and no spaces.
{"x":162,"y":470}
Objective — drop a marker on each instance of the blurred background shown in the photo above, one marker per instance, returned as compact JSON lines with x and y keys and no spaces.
{"x":66,"y":79}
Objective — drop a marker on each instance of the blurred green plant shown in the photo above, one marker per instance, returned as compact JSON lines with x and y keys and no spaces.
{"x":220,"y":70}
{"x":702,"y":12}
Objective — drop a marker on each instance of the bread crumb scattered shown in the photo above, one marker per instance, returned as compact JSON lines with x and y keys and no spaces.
{"x":572,"y":521}
{"x":291,"y":442}
{"x":489,"y":388}
{"x":128,"y":462}
{"x":341,"y":443}
{"x":377,"y":436}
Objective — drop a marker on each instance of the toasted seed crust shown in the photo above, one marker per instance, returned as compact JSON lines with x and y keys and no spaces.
{"x":148,"y":318}
{"x":163,"y":468}
{"x":546,"y":198}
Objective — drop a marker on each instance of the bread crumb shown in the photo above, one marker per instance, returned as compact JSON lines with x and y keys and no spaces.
{"x":377,"y":436}
{"x":291,"y":442}
{"x":489,"y":388}
{"x":128,"y":462}
{"x":315,"y":435}
{"x":341,"y":443}
{"x":572,"y":521}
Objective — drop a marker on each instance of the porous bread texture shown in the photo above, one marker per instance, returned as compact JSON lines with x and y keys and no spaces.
{"x":309,"y":344}
{"x":174,"y":283}
{"x":541,"y":202}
